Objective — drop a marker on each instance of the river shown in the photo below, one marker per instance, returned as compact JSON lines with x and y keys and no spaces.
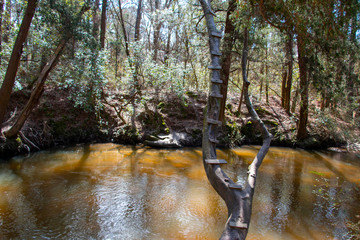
{"x":109,"y":191}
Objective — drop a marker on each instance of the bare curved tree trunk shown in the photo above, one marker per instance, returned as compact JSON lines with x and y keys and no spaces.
{"x":9,"y":79}
{"x":238,"y":198}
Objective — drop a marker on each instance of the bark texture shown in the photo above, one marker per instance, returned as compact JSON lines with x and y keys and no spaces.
{"x":14,"y":62}
{"x":302,"y":133}
{"x":238,"y":198}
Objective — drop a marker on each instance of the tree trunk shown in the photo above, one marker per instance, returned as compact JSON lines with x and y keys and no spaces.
{"x":127,"y":52}
{"x":261,"y":81}
{"x":266,"y":77}
{"x":241,"y":98}
{"x":137,"y":39}
{"x":289,"y":75}
{"x":302,"y":133}
{"x":103,"y":24}
{"x":226,"y":57}
{"x":283,"y":86}
{"x":156,"y":31}
{"x":351,"y":76}
{"x":7,"y":22}
{"x":95,"y":30}
{"x":167,"y":50}
{"x":238,"y":198}
{"x":137,"y":87}
{"x":14,"y":62}
{"x":293,"y":105}
{"x":36,"y":93}
{"x":138,"y":21}
{"x":1,"y":20}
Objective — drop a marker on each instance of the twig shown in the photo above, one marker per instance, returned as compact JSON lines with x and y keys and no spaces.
{"x":11,"y":117}
{"x":28,"y":141}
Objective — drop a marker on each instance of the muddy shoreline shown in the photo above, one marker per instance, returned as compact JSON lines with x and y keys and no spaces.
{"x":59,"y":121}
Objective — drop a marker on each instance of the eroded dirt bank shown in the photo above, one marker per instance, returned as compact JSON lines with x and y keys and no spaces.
{"x":59,"y":120}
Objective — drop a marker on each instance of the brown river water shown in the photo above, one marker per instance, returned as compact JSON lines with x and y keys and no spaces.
{"x":109,"y":191}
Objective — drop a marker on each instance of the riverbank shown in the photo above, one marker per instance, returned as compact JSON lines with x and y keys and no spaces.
{"x":62,"y":120}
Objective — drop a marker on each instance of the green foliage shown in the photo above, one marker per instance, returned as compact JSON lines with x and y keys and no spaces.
{"x":233,"y":132}
{"x":319,"y":174}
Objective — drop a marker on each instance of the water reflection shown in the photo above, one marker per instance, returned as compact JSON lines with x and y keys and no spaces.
{"x":108,"y":191}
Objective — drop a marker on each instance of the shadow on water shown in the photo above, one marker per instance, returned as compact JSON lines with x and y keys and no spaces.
{"x":108,"y":191}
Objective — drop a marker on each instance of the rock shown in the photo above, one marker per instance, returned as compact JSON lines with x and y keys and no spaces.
{"x":172,"y":140}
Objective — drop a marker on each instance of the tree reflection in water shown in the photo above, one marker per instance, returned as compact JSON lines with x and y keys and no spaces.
{"x":108,"y":191}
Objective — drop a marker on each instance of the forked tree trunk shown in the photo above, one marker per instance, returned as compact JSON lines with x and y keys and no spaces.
{"x":238,"y":198}
{"x":9,"y":79}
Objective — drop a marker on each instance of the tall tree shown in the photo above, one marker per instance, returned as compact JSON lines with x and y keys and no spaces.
{"x":304,"y":87}
{"x":158,"y":25}
{"x":226,"y":57}
{"x":95,"y":30}
{"x":9,"y":79}
{"x":288,"y":73}
{"x":138,"y":21}
{"x":103,"y":23}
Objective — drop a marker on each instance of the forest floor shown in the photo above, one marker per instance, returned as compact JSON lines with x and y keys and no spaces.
{"x":59,"y":120}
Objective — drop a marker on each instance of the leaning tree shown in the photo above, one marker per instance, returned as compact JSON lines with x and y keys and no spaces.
{"x":238,"y":197}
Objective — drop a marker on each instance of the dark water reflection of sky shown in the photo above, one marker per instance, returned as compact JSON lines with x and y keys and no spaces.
{"x":108,"y":191}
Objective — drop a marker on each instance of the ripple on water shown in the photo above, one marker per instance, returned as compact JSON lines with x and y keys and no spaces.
{"x":109,"y":191}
